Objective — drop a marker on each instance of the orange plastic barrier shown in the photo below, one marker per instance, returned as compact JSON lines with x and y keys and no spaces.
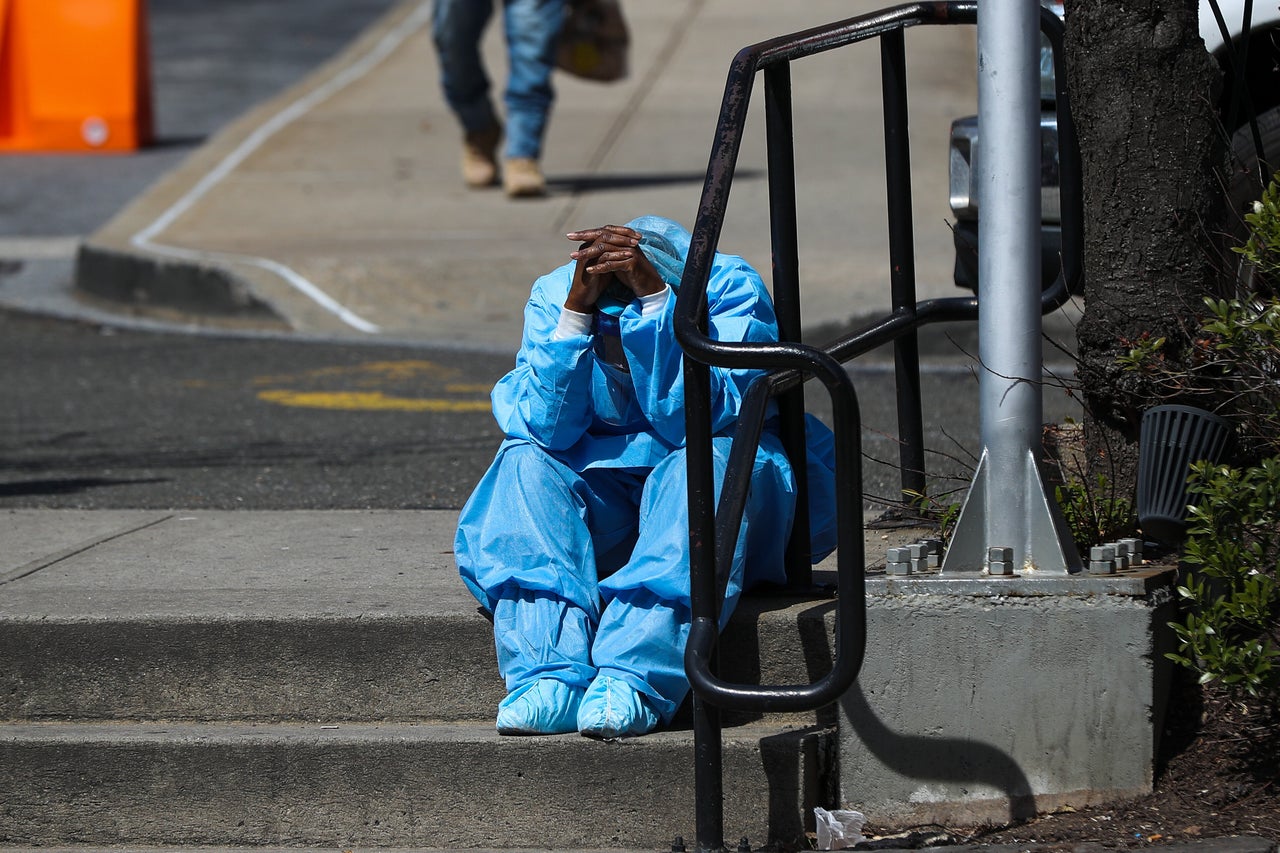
{"x":75,"y":75}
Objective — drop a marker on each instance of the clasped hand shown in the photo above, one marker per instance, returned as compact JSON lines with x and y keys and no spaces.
{"x":607,"y":254}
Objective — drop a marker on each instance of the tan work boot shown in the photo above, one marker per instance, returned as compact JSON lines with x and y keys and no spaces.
{"x":522,"y":178}
{"x":479,"y":157}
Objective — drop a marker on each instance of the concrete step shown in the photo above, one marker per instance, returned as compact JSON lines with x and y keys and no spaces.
{"x":325,"y":669}
{"x":318,"y":669}
{"x":286,"y":616}
{"x":298,"y":678}
{"x":205,"y":848}
{"x":436,"y":785}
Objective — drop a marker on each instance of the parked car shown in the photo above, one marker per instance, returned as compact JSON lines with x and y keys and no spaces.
{"x":1259,"y":49}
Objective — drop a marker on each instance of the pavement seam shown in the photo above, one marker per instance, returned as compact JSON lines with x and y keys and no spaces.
{"x":79,"y":548}
{"x":144,"y":239}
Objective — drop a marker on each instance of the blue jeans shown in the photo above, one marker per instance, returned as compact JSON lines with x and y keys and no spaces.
{"x":532,"y":27}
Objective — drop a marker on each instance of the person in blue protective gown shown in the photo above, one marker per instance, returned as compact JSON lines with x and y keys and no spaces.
{"x":576,"y":539}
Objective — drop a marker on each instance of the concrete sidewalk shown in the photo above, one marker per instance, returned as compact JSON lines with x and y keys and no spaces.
{"x":191,"y":667}
{"x":324,"y":679}
{"x":92,"y":564}
{"x":336,"y":209}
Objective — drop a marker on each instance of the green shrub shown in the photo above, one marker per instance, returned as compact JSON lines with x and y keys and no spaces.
{"x":1231,"y":367}
{"x":1262,"y":249}
{"x":1229,"y":362}
{"x":1231,"y":632}
{"x":940,"y":510}
{"x":1095,"y":514}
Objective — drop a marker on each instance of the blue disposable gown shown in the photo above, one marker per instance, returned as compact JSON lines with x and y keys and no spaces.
{"x":583,"y":514}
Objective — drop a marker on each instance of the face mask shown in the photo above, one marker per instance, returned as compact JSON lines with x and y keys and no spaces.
{"x":607,"y":345}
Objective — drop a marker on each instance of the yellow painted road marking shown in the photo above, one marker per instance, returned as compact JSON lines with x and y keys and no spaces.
{"x":368,"y":373}
{"x":371,"y":373}
{"x":374,"y":401}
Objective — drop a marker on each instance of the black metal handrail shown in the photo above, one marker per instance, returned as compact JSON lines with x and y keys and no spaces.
{"x":789,"y":363}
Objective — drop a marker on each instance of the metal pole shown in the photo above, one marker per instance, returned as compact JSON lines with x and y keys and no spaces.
{"x":1008,"y":506}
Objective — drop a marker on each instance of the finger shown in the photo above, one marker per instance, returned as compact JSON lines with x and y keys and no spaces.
{"x":600,"y":267}
{"x":589,"y":250}
{"x":598,"y":228}
{"x":616,"y":255}
{"x":619,"y":236}
{"x":600,"y":249}
{"x":623,"y":231}
{"x":620,"y":261}
{"x":614,"y":234}
{"x":640,"y":276}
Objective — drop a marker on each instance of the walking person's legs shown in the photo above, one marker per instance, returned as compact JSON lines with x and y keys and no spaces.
{"x":532,"y":30}
{"x":456,"y":27}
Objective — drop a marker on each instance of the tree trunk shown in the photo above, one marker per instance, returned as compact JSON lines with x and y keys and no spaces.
{"x":1143,"y":91}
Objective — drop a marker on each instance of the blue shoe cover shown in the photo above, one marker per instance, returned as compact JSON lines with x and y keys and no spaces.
{"x":612,"y":708}
{"x":541,"y":707}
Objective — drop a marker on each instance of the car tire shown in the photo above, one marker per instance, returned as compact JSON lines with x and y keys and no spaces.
{"x":1243,"y":189}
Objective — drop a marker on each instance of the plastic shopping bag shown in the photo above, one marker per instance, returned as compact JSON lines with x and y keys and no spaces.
{"x":594,"y":41}
{"x":839,"y":829}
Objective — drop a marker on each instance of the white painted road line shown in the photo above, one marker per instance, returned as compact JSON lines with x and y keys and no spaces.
{"x":146,"y":238}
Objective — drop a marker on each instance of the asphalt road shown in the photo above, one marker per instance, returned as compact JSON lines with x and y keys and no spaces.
{"x":97,"y":420}
{"x":92,"y":418}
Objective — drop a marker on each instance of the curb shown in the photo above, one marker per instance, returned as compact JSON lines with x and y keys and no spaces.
{"x":121,"y":263}
{"x":138,"y":281}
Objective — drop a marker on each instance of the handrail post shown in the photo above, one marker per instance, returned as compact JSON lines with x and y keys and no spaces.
{"x":708,"y":747}
{"x":786,"y":299}
{"x":708,"y":776}
{"x":902,"y":264}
